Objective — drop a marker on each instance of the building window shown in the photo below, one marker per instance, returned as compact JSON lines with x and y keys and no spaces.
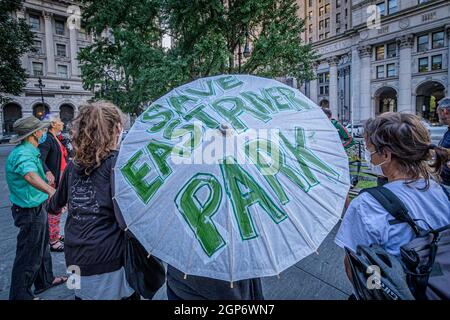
{"x":338,"y":3}
{"x":38,"y":69}
{"x":338,"y":18}
{"x":37,"y":44}
{"x":379,"y":52}
{"x":338,"y":30}
{"x":438,"y":40}
{"x":35,"y":22}
{"x":321,"y":24}
{"x":310,"y":28}
{"x":62,"y":71}
{"x":310,"y":40}
{"x":380,"y":72}
{"x":321,"y":11}
{"x":59,"y":27}
{"x":391,"y":70}
{"x":320,"y":36}
{"x":60,"y":50}
{"x":310,"y":3}
{"x":310,"y":15}
{"x":391,"y":50}
{"x":327,"y":35}
{"x":423,"y":64}
{"x":327,"y":23}
{"x":381,"y":9}
{"x":436,"y":62}
{"x":392,"y":6}
{"x":422,"y":43}
{"x":327,"y":9}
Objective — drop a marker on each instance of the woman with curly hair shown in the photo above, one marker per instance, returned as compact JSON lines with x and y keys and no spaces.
{"x":94,"y":241}
{"x":399,"y":148}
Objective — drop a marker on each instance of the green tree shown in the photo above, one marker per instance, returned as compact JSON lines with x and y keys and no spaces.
{"x":15,"y":40}
{"x":207,"y":37}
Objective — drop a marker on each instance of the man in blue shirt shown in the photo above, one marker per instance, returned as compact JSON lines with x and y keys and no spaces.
{"x":443,"y":111}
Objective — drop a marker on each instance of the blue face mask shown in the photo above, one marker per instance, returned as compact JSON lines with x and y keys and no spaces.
{"x":43,"y":137}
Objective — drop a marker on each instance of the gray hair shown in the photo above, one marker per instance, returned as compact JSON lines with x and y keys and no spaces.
{"x":444,"y":103}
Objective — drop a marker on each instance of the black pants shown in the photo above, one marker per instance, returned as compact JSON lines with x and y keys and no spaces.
{"x":33,"y":262}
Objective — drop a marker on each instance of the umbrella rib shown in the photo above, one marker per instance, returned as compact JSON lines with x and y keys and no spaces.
{"x":268,"y":247}
{"x":166,"y":227}
{"x":231,"y":247}
{"x":301,"y":231}
{"x":318,"y":201}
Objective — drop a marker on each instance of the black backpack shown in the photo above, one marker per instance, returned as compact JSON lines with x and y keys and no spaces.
{"x":423,"y":270}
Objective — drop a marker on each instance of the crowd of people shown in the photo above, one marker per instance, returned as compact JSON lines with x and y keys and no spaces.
{"x":45,"y":182}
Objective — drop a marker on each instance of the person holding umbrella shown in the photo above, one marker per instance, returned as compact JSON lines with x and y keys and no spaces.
{"x":54,"y":159}
{"x":29,"y":192}
{"x":93,"y":239}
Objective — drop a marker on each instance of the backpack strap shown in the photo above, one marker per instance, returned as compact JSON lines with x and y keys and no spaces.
{"x":392,"y":204}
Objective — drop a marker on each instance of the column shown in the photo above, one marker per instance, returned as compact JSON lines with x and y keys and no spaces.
{"x":49,"y":44}
{"x":313,"y":85}
{"x":24,"y":57}
{"x":404,"y":76}
{"x":355,"y":108}
{"x":334,"y":92}
{"x":448,"y":62}
{"x":73,"y":34}
{"x":365,"y":53}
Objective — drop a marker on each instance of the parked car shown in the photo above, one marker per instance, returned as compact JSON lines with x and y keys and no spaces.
{"x":6,"y":138}
{"x":436,"y":131}
{"x":358,"y":129}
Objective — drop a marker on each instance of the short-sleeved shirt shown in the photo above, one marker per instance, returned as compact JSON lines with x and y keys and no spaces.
{"x":366,"y":222}
{"x":24,"y":158}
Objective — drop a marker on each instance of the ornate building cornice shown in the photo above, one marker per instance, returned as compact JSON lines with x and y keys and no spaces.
{"x":365,"y":51}
{"x":406,"y":41}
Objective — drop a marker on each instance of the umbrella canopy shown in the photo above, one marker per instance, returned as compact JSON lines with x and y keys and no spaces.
{"x":232,"y":177}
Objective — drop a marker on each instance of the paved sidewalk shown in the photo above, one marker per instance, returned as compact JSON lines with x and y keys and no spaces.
{"x":318,"y":277}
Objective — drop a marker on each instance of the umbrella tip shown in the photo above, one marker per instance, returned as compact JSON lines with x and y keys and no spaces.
{"x":317,"y":252}
{"x":224,"y":128}
{"x":231,"y":285}
{"x":185,"y":276}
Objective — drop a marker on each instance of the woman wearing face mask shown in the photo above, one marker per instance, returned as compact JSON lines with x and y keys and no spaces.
{"x":94,"y":241}
{"x":399,"y":148}
{"x":54,"y":160}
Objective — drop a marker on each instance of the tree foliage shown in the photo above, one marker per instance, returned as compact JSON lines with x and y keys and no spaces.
{"x":208,"y":38}
{"x":15,"y":40}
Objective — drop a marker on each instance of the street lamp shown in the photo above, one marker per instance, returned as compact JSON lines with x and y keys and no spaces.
{"x":112,"y":77}
{"x":41,"y":85}
{"x":247,"y":53}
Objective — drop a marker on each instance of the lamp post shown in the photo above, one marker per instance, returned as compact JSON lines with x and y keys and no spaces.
{"x":41,"y":85}
{"x":247,"y":53}
{"x":112,"y":77}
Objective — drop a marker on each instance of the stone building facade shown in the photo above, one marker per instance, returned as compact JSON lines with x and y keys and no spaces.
{"x":58,"y":39}
{"x":400,"y":62}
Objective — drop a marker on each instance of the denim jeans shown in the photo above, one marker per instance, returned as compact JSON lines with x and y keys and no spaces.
{"x":33,"y":262}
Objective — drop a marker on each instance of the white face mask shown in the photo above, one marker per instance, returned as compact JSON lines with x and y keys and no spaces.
{"x":376,"y":169}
